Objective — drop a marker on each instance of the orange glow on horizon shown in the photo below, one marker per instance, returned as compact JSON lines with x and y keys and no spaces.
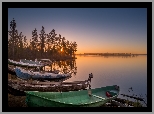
{"x":112,"y":51}
{"x":107,"y":48}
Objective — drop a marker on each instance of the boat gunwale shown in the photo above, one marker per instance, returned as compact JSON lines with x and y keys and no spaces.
{"x":79,"y":104}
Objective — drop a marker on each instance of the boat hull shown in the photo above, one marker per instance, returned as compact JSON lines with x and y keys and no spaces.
{"x":71,"y":98}
{"x":24,"y":64}
{"x":56,"y":104}
{"x":17,"y":87}
{"x":11,"y":70}
{"x":24,"y":74}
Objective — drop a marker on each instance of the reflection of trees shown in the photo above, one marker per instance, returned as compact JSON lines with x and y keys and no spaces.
{"x":65,"y":66}
{"x":117,"y":56}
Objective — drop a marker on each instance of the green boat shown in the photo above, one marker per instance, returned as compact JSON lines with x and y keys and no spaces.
{"x":82,"y":98}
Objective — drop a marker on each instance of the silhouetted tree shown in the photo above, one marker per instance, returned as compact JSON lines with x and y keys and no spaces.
{"x":48,"y":45}
{"x":53,"y":42}
{"x":25,"y":48}
{"x":20,"y":45}
{"x":34,"y":42}
{"x":42,"y":40}
{"x":13,"y":38}
{"x":74,"y":46}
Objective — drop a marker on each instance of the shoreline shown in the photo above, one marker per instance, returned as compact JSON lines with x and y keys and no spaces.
{"x":19,"y":101}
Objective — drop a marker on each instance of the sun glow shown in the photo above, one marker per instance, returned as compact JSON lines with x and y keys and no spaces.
{"x":61,"y":49}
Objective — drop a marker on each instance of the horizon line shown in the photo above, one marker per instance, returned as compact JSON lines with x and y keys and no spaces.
{"x":114,"y":53}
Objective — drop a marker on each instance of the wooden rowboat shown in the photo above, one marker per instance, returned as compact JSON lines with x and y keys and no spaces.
{"x":81,"y":98}
{"x":17,"y":87}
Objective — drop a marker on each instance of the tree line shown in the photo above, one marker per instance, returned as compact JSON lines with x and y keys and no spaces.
{"x":41,"y":45}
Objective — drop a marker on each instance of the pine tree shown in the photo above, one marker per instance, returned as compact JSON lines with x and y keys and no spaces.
{"x":13,"y":39}
{"x":20,"y":46}
{"x":25,"y":48}
{"x":34,"y":42}
{"x":53,"y":42}
{"x":42,"y":40}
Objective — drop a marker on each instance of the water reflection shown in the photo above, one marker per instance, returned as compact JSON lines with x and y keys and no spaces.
{"x":124,"y":71}
{"x":68,"y":66}
{"x":120,"y":70}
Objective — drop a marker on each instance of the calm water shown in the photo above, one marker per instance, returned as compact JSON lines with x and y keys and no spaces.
{"x":123,"y":71}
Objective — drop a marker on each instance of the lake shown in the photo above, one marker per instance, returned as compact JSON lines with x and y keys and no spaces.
{"x":125,"y":71}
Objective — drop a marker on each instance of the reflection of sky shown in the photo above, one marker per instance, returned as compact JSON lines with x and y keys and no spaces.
{"x":125,"y":72}
{"x":94,"y":30}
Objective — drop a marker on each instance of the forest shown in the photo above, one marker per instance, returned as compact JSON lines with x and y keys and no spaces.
{"x":41,"y":45}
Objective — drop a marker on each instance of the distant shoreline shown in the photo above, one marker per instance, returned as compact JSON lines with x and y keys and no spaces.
{"x":111,"y":54}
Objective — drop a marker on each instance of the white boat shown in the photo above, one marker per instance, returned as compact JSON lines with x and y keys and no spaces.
{"x":27,"y":74}
{"x":25,"y":63}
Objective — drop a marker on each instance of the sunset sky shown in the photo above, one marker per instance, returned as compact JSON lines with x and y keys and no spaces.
{"x":95,"y":30}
